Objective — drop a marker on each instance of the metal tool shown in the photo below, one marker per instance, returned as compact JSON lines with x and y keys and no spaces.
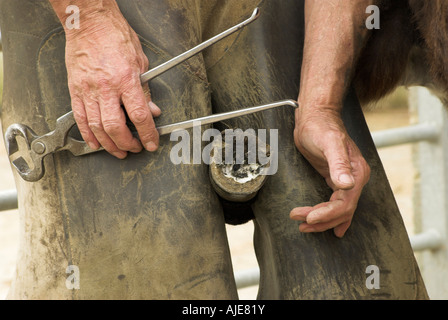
{"x":166,"y":129}
{"x":59,"y":140}
{"x":151,"y":74}
{"x":38,"y":147}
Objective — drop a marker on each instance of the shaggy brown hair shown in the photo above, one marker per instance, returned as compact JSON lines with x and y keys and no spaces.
{"x":410,"y":48}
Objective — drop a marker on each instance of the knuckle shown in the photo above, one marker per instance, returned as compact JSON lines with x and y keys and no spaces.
{"x":147,"y":92}
{"x":95,"y":126}
{"x":343,"y":162}
{"x":84,"y":85}
{"x":139,"y":115}
{"x":151,"y":135}
{"x":85,"y":133}
{"x":347,"y":210}
{"x":123,"y":145}
{"x":105,"y":86}
{"x":367,"y":168}
{"x":343,"y":165}
{"x":350,"y":210}
{"x":81,"y":118}
{"x":111,"y":127}
{"x":335,"y":135}
{"x":363,"y":167}
{"x":367,"y":171}
{"x":145,"y":62}
{"x":128,"y":76}
{"x":103,"y":82}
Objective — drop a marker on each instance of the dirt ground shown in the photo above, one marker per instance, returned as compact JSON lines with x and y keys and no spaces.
{"x":397,"y":162}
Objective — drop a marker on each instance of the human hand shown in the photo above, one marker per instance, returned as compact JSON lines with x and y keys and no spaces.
{"x":104,"y":61}
{"x":321,"y":137}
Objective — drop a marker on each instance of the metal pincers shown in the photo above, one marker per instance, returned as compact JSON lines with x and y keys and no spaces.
{"x":30,"y":164}
{"x":38,"y":147}
{"x":27,"y":172}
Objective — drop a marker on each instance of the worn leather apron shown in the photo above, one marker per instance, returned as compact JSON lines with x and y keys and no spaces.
{"x":145,"y":228}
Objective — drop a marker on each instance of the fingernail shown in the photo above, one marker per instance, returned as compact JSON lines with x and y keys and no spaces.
{"x":151,"y":146}
{"x":119,"y":155}
{"x":346,"y":179}
{"x":305,"y":229}
{"x":135,"y":150}
{"x":92,"y":146}
{"x":155,"y":110}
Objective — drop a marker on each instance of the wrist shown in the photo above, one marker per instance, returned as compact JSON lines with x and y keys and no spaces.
{"x":319,"y":106}
{"x":93,"y":16}
{"x":318,"y":112}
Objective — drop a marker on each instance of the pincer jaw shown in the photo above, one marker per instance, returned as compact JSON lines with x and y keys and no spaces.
{"x":13,"y":132}
{"x":12,"y":147}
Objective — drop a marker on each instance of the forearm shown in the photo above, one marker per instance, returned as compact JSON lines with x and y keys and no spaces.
{"x":334,"y":35}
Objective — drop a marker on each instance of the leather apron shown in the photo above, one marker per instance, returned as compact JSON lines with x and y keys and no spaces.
{"x":145,"y":228}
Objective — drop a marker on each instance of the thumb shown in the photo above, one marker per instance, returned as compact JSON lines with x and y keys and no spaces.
{"x":339,"y":166}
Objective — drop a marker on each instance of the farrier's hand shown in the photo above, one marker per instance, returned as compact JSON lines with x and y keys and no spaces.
{"x":104,"y":61}
{"x":321,"y":137}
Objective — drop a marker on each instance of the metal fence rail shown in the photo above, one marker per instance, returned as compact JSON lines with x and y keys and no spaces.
{"x":8,"y":200}
{"x":431,"y":192}
{"x":428,"y":131}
